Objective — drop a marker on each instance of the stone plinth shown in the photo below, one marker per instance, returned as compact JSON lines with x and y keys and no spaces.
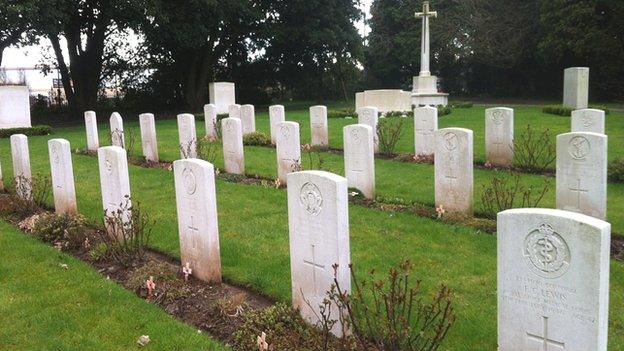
{"x":222,"y":95}
{"x":576,"y":87}
{"x":385,"y":100}
{"x":14,"y":107}
{"x":425,"y":92}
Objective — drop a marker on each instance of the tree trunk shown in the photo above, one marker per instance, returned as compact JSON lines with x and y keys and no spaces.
{"x":195,"y":68}
{"x":1,"y":53}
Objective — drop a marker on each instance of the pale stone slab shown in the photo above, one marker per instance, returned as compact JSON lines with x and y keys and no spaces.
{"x":234,"y":111}
{"x":198,"y":227}
{"x":188,"y":135}
{"x":22,"y":174}
{"x":14,"y":107}
{"x":576,"y":87}
{"x":117,"y":130}
{"x":359,"y":158}
{"x":277,"y":115}
{"x":553,"y":281}
{"x":149,"y":142}
{"x":210,"y":120}
{"x":499,"y":136}
{"x":62,"y":171}
{"x":318,"y":222}
{"x":386,"y":100}
{"x":588,"y":120}
{"x":222,"y":95}
{"x":93,"y":139}
{"x":288,"y":150}
{"x":233,"y":152}
{"x":318,"y":126}
{"x":248,"y":117}
{"x":425,"y":126}
{"x":369,"y":116}
{"x":454,"y":170}
{"x":114,"y":181}
{"x":582,"y":173}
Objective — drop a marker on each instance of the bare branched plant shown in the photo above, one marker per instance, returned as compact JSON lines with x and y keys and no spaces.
{"x":505,"y":192}
{"x":534,"y":151}
{"x":31,"y":193}
{"x":189,"y":149}
{"x":315,"y":159}
{"x":389,"y":131}
{"x":207,"y":150}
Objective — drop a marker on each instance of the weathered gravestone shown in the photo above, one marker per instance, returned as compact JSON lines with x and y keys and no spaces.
{"x":22,"y":174}
{"x":210,"y":120}
{"x":588,"y":120}
{"x":234,"y":111}
{"x":453,"y":168}
{"x":115,"y":185}
{"x":149,"y":142}
{"x":425,"y":126}
{"x":288,"y":150}
{"x":248,"y":117}
{"x":318,"y":221}
{"x":117,"y":130}
{"x":499,"y":136}
{"x":576,"y":87}
{"x":553,"y":281}
{"x":370,"y":116}
{"x":62,"y":172}
{"x":582,"y":173}
{"x":318,"y":126}
{"x":276,"y":116}
{"x":359,"y":158}
{"x":196,"y":201}
{"x":233,"y":152}
{"x":222,"y":95}
{"x":187,"y":135}
{"x":93,"y":140}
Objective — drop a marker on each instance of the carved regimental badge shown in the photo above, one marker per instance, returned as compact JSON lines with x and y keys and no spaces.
{"x":311,"y":199}
{"x":546,"y":252}
{"x":190,"y":184}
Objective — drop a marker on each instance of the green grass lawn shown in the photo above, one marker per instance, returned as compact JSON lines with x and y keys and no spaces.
{"x":254,"y":225}
{"x":46,"y":307}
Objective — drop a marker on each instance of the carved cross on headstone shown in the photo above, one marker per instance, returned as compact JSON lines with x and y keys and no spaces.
{"x":194,"y":233}
{"x":578,"y":191}
{"x":314,"y":266}
{"x":544,"y":339}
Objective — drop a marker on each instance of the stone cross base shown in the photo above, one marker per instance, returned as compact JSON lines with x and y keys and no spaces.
{"x":425,"y":92}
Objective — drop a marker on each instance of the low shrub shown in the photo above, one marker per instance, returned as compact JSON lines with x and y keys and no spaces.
{"x":561,"y":110}
{"x":391,"y":114}
{"x":348,"y":112}
{"x":389,"y":132}
{"x":462,"y":104}
{"x":533,"y":151}
{"x":505,"y":192}
{"x":217,"y":126}
{"x":32,"y":131}
{"x":207,"y":150}
{"x":30,"y":195}
{"x":65,"y":230}
{"x":616,"y":170}
{"x":256,"y":139}
{"x":444,"y":110}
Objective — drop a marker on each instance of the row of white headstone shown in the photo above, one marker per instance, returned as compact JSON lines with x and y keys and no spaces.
{"x":553,"y":265}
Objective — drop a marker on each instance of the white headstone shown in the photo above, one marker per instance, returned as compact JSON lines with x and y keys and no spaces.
{"x":234,"y":111}
{"x":276,"y":116}
{"x":582,"y":173}
{"x":62,"y":171}
{"x":14,"y":107}
{"x":425,"y":126}
{"x":233,"y":152}
{"x":288,"y":149}
{"x":187,"y":135}
{"x":248,"y":117}
{"x":198,"y":227}
{"x":318,"y":126}
{"x":93,"y":140}
{"x":222,"y":95}
{"x":499,"y":136}
{"x":553,"y":281}
{"x":117,"y":130}
{"x":114,"y":181}
{"x":370,"y":116}
{"x":148,"y":137}
{"x":21,"y":165}
{"x":359,"y":158}
{"x":210,"y":119}
{"x":318,"y":222}
{"x":454,"y":170}
{"x":576,"y":87}
{"x":588,"y":120}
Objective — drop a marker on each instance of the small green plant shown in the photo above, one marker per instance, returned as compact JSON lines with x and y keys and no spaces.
{"x":616,"y":170}
{"x":389,"y":132}
{"x":65,"y":230}
{"x":349,"y":112}
{"x":217,"y":124}
{"x":256,"y":139}
{"x":444,"y":110}
{"x":34,"y":130}
{"x":558,"y":110}
{"x":207,"y":150}
{"x":314,"y":158}
{"x":391,"y":114}
{"x":30,"y":194}
{"x":533,"y":151}
{"x":506,"y":192}
{"x":462,"y":104}
{"x":127,"y":232}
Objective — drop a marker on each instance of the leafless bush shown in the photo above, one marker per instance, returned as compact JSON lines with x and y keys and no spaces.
{"x":505,"y":192}
{"x":533,"y":151}
{"x":389,"y":132}
{"x":31,"y":193}
{"x":207,"y":150}
{"x":189,"y":150}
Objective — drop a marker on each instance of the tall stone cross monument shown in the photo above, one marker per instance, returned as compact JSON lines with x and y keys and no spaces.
{"x":425,"y":91}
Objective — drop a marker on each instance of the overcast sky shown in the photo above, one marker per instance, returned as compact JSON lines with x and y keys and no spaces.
{"x":31,"y":55}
